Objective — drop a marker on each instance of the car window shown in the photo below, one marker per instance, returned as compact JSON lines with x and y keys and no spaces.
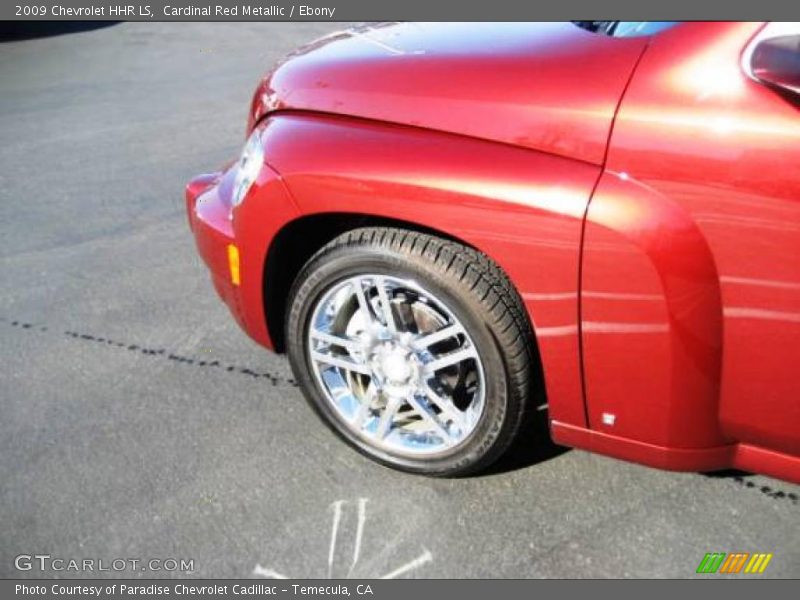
{"x":626,"y":28}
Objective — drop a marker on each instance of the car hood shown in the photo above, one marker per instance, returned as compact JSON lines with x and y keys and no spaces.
{"x":552,"y":87}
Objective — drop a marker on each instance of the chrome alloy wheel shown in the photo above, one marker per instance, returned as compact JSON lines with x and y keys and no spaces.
{"x":396,"y":365}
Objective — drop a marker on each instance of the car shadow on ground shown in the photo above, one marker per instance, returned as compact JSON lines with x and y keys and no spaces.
{"x":735,"y":474}
{"x":13,"y":31}
{"x":532,"y":446}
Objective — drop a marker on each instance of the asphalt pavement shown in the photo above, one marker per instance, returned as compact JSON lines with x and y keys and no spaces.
{"x":138,"y":421}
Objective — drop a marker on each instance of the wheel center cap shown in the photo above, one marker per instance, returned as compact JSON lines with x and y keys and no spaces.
{"x":395,"y":366}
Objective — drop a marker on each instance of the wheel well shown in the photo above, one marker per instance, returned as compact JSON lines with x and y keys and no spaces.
{"x":297,"y":242}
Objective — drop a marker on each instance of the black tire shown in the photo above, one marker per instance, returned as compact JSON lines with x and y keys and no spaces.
{"x":475,"y":290}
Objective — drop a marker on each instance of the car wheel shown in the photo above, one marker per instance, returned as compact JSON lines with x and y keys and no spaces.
{"x":414,"y":349}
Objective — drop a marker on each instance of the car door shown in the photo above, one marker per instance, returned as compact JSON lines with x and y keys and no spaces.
{"x":691,"y":275}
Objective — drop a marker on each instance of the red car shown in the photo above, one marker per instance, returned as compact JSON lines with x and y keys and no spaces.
{"x":447,"y":225}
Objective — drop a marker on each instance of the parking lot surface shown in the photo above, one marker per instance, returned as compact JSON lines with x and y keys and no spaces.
{"x":139,"y":422}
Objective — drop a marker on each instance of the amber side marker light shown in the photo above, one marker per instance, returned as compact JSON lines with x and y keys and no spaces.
{"x":233,"y":264}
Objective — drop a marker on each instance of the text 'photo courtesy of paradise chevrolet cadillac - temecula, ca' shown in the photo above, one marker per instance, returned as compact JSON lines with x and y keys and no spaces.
{"x":448,"y":226}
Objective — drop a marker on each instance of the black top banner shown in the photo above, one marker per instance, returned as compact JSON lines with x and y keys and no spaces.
{"x":398,"y":10}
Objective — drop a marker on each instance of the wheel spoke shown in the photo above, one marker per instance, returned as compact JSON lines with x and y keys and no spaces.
{"x":387,"y":416}
{"x":335,"y":340}
{"x":366,"y":403}
{"x":448,"y":360}
{"x":342,"y":362}
{"x":429,"y":339}
{"x":427,"y":415}
{"x":445,"y":405}
{"x":388,"y":316}
{"x":363,"y":304}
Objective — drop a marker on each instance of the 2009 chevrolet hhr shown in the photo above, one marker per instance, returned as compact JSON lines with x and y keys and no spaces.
{"x":446,"y":225}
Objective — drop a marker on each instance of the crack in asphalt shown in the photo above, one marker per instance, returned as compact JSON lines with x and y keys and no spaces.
{"x":768,"y":491}
{"x":274,"y":379}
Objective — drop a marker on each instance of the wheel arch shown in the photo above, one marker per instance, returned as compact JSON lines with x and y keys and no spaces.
{"x":298,"y":240}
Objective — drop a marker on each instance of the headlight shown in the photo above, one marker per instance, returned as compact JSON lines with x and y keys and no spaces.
{"x":248,"y":167}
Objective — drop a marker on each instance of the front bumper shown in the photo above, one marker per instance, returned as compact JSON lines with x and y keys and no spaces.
{"x":249,"y":228}
{"x":211,"y":220}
